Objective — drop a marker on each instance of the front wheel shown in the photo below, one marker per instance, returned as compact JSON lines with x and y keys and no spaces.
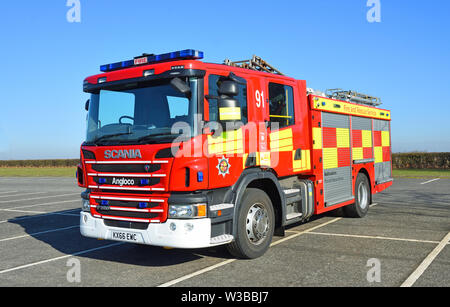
{"x":362,"y":198}
{"x":255,"y":225}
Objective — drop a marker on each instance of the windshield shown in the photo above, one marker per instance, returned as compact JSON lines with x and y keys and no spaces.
{"x":153,"y":114}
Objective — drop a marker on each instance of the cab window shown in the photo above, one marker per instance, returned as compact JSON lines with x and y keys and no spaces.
{"x":281,"y":102}
{"x":213,"y":85}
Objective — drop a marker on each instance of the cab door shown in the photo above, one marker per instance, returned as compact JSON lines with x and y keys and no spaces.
{"x":283,"y":128}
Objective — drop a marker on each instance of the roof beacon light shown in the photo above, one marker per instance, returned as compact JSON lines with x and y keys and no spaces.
{"x":151,"y":59}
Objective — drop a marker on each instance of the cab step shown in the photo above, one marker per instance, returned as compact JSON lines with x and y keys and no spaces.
{"x":293,"y":215}
{"x":292,"y":196}
{"x":221,"y":239}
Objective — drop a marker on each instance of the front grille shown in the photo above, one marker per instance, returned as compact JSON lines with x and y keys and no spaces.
{"x":112,"y":191}
{"x":126,"y":224}
{"x":126,"y":204}
{"x":129,"y":191}
{"x":126,"y":168}
{"x":138,"y":181}
{"x":130,"y":214}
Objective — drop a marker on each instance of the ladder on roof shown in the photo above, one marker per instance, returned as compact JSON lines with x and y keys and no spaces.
{"x":352,"y":96}
{"x":255,"y":63}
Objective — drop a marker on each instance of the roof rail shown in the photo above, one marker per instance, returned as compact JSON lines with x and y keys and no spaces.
{"x":352,"y":96}
{"x":255,"y":63}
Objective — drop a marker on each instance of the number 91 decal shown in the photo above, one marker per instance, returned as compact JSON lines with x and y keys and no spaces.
{"x":260,"y":101}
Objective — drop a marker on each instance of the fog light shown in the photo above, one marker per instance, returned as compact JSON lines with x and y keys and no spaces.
{"x":85,"y":205}
{"x":173,"y":226}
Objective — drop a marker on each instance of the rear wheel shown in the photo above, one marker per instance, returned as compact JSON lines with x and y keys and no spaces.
{"x":255,"y":225}
{"x":362,"y":198}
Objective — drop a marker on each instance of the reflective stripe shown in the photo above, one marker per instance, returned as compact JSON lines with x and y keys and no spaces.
{"x":230,"y":113}
{"x":281,"y":141}
{"x":324,"y":104}
{"x":230,"y":142}
{"x":385,"y":140}
{"x":317,"y":138}
{"x":304,"y":164}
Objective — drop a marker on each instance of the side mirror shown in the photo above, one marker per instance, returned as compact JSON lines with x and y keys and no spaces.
{"x":86,"y":106}
{"x":228,"y":88}
{"x":229,"y":107}
{"x":181,"y":86}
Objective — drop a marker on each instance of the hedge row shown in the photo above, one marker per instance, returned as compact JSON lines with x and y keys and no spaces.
{"x":40,"y":163}
{"x":421,"y":160}
{"x":400,"y":161}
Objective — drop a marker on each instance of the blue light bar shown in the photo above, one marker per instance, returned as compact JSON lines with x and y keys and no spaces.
{"x":151,"y":59}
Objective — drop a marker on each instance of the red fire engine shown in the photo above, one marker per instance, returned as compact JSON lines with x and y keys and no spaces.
{"x":187,"y":154}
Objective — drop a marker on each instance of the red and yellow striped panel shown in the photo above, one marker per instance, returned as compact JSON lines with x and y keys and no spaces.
{"x":362,"y":144}
{"x":228,"y":143}
{"x":281,"y":140}
{"x":336,"y":147}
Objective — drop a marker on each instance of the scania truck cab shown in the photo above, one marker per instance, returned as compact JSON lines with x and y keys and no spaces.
{"x":186,"y":154}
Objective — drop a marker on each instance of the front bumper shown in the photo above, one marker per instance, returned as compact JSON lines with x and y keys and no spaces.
{"x":183,"y":236}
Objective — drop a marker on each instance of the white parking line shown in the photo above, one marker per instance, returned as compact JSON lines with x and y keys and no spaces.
{"x":426,"y":262}
{"x":59,"y":258}
{"x":218,"y":265}
{"x":371,"y":237}
{"x":43,"y":204}
{"x":38,"y":233}
{"x":429,"y":181}
{"x":4,"y":196}
{"x":7,"y":192}
{"x":39,"y":212}
{"x":17,"y":200}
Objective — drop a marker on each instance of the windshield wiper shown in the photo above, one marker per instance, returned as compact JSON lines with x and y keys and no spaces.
{"x":150,"y":136}
{"x":110,"y":136}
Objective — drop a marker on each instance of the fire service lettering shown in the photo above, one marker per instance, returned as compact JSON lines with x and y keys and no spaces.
{"x":123,"y":154}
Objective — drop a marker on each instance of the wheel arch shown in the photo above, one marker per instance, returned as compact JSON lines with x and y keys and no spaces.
{"x":265,"y":180}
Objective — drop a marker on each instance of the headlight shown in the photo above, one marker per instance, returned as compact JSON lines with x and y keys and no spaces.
{"x":85,"y":205}
{"x":187,"y":211}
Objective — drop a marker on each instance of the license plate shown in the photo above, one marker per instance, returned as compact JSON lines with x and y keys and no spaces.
{"x":126,"y":236}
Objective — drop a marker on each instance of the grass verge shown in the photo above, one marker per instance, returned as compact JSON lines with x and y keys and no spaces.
{"x":38,"y":171}
{"x":421,"y":173}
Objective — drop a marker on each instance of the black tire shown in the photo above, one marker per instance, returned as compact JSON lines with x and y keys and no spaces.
{"x":255,"y":212}
{"x":363,"y":198}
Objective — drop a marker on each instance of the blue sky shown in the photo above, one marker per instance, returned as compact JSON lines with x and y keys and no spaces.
{"x":405,"y":59}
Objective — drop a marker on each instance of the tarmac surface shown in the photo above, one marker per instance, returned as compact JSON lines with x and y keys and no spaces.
{"x":403,"y":241}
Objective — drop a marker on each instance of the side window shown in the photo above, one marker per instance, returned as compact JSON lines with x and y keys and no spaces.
{"x":213,"y":85}
{"x":281,"y":101}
